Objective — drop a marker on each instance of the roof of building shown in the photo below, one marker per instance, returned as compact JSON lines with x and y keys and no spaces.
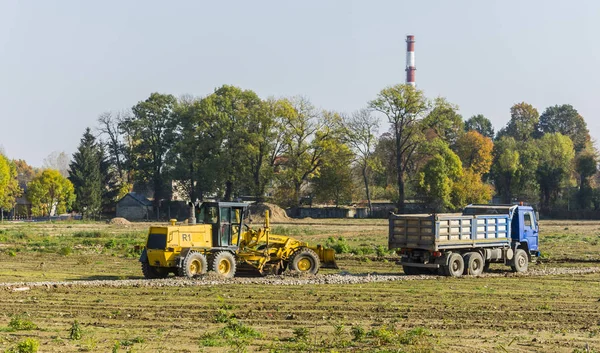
{"x":139,"y":198}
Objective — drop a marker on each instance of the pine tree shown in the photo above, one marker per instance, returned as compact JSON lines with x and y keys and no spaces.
{"x":86,"y":176}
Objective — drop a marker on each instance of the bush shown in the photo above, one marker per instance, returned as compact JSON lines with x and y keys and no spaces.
{"x":65,"y":251}
{"x":340,"y":245}
{"x":18,"y":323}
{"x":29,"y":345}
{"x":301,"y":333}
{"x":75,"y":331}
{"x":358,"y":332}
{"x":111,"y":244}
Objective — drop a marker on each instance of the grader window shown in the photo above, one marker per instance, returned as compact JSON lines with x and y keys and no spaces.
{"x":157,"y":241}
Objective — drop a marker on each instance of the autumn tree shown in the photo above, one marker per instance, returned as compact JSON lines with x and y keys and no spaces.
{"x":404,"y":107}
{"x":522,"y":126}
{"x":50,"y":192}
{"x":475,"y":152}
{"x":86,"y":176}
{"x":481,"y":124}
{"x":566,"y":120}
{"x":360,"y":131}
{"x":9,"y":185}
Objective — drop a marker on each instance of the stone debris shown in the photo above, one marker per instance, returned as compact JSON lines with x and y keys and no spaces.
{"x":281,"y":280}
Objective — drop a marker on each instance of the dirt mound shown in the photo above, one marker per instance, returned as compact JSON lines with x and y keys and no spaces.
{"x":276,"y":213}
{"x":119,"y":221}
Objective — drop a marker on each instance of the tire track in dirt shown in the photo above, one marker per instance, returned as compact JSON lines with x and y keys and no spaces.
{"x":283,"y":280}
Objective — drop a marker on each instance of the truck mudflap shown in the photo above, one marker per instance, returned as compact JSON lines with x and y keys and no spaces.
{"x":416,"y":264}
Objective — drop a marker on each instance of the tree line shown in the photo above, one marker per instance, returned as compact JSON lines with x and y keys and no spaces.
{"x":232,"y":144}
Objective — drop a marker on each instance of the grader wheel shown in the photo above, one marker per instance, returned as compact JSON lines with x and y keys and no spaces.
{"x":305,"y":260}
{"x":151,"y":272}
{"x":193,"y":265}
{"x":224,"y":264}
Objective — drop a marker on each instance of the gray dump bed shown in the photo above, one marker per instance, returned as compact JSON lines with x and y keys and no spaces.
{"x":435,"y":232}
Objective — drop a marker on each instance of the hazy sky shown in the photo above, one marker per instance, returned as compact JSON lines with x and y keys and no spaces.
{"x":62,"y":63}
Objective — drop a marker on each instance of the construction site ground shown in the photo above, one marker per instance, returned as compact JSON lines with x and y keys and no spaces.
{"x":57,"y":279}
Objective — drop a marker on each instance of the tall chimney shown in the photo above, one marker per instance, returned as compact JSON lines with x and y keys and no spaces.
{"x":410,"y":60}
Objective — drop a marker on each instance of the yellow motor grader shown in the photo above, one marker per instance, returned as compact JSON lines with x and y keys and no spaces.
{"x":223,"y":243}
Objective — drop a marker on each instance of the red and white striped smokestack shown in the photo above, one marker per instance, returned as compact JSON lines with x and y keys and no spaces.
{"x":410,"y":60}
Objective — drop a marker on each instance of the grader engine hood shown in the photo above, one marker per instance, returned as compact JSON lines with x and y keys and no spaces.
{"x":327,"y":257}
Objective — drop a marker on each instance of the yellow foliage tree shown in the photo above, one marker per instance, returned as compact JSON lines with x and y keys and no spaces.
{"x":469,"y":189}
{"x":50,"y":190}
{"x":475,"y":152}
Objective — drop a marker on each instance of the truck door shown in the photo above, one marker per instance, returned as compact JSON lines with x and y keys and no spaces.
{"x":530,"y":231}
{"x":225,"y":226}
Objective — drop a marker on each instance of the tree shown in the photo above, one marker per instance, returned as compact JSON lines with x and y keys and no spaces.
{"x":306,"y":137}
{"x":109,"y":126}
{"x":556,"y":158}
{"x":151,"y":130}
{"x":566,"y":120}
{"x":25,"y":173}
{"x":443,"y":121}
{"x":505,"y":167}
{"x":481,"y":124}
{"x":49,"y":192}
{"x":404,"y":106}
{"x":523,"y":122}
{"x":334,"y":181}
{"x":586,"y":165}
{"x":57,"y":161}
{"x":470,"y":189}
{"x":438,"y":176}
{"x":475,"y":152}
{"x":360,"y":129}
{"x":86,"y":177}
{"x":9,"y":185}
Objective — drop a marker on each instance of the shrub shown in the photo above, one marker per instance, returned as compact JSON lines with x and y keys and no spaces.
{"x":75,"y":331}
{"x":358,"y":332}
{"x":28,"y":345}
{"x":301,"y":333}
{"x":111,"y":244}
{"x":19,"y":323}
{"x":65,"y":251}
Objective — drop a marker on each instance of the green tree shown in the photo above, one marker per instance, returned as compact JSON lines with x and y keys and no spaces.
{"x":506,"y":167}
{"x":586,"y":166}
{"x":360,"y":129}
{"x":9,"y":185}
{"x":436,"y":179}
{"x":443,"y":121}
{"x":404,"y":107}
{"x":566,"y":120}
{"x":523,"y":122}
{"x":49,"y":191}
{"x":555,"y":166}
{"x":150,"y":129}
{"x":86,"y":176}
{"x":481,"y":124}
{"x":307,"y":135}
{"x":334,"y":182}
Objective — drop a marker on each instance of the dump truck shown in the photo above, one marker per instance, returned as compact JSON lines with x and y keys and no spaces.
{"x":223,"y":243}
{"x":457,"y":244}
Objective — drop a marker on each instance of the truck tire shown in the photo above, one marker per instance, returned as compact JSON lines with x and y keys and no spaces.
{"x":194,"y":265}
{"x":305,"y":260}
{"x":409,"y":270}
{"x":223,"y":263}
{"x":520,"y":261}
{"x":456,"y":265}
{"x":151,"y":272}
{"x":474,"y":264}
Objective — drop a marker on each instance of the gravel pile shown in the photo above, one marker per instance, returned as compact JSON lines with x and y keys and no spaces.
{"x":119,"y":221}
{"x":283,"y":280}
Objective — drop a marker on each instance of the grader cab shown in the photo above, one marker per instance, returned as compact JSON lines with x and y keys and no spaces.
{"x":221,"y":242}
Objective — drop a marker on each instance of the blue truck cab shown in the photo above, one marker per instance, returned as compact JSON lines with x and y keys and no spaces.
{"x":455,"y":244}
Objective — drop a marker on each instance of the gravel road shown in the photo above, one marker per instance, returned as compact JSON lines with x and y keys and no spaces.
{"x":283,"y":280}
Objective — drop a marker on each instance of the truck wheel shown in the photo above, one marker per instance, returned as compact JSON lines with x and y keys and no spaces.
{"x":193,"y":265}
{"x":456,"y":266}
{"x":224,"y":264}
{"x":474,"y":264}
{"x":151,"y":272}
{"x":520,"y":261}
{"x":305,"y":260}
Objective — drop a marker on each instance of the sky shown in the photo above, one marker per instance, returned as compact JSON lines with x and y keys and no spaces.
{"x":63,"y":63}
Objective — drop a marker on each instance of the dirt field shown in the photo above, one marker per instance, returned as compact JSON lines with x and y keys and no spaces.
{"x":89,"y":296}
